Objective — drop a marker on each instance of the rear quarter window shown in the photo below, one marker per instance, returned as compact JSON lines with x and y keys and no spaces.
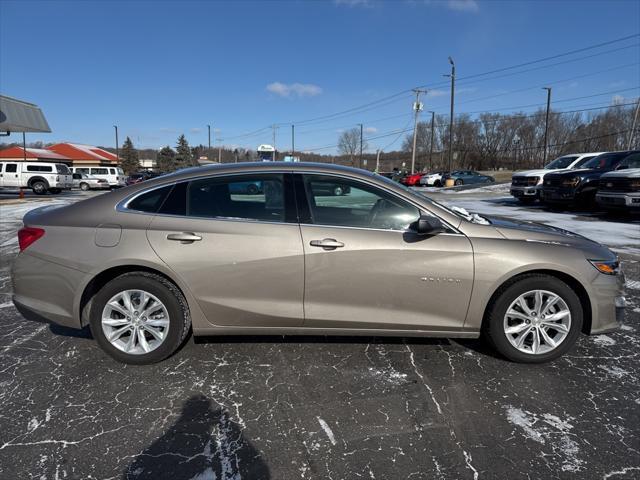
{"x":151,"y":201}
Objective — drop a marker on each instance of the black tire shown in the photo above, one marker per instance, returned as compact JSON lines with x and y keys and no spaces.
{"x":458,"y":182}
{"x":252,"y":189}
{"x":84,"y":186}
{"x":166,"y":292}
{"x":437,"y":183}
{"x":338,"y":191}
{"x":39,"y":187}
{"x":55,"y":191}
{"x":493,"y":324}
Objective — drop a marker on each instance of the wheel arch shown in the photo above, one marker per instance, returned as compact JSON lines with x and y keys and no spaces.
{"x":102,"y":278}
{"x":32,"y":180}
{"x":573,"y":282}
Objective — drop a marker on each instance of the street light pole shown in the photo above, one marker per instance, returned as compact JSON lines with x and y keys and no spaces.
{"x":360,"y":158}
{"x":416,"y":107}
{"x":546,"y":126}
{"x":209,"y":136}
{"x":453,"y":89}
{"x":117,"y":145}
{"x":633,"y":125}
{"x":433,"y":117}
{"x":293,"y":141}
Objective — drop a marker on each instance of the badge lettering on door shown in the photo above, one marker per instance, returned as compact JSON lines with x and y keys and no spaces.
{"x":440,"y":279}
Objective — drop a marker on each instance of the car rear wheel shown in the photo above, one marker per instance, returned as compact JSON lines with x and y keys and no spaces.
{"x":458,"y":182}
{"x":140,"y":318}
{"x":535,"y":319}
{"x":437,"y":183}
{"x":84,"y":186}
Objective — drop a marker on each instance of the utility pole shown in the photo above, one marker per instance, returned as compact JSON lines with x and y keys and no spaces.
{"x":360,"y":158}
{"x":378,"y":160}
{"x":274,"y":128}
{"x":209,"y":150}
{"x":546,"y":127}
{"x":219,"y":150}
{"x":117,"y":145}
{"x":293,"y":141}
{"x":453,"y":90}
{"x":633,"y":125}
{"x":433,"y":117}
{"x":417,"y":106}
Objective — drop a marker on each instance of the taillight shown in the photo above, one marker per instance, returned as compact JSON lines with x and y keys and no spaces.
{"x":28,"y":235}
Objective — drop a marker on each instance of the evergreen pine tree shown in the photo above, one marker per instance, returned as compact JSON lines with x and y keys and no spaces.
{"x":183,"y":153}
{"x":166,"y":160}
{"x":129,"y":160}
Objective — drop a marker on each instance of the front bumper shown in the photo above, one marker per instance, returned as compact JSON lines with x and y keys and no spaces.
{"x":525,"y":192}
{"x":608,"y":303}
{"x":558,"y":194}
{"x":618,"y":200}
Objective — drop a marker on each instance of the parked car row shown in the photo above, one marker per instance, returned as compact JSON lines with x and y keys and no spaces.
{"x":438,"y":179}
{"x":610,"y":180}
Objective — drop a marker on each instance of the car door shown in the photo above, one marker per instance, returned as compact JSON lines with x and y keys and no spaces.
{"x":11,"y":175}
{"x":240,"y":254}
{"x":364,"y":267}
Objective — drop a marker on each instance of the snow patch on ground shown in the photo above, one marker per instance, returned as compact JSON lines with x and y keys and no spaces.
{"x":604,"y":340}
{"x":327,"y":430}
{"x":549,"y":429}
{"x":615,"y":371}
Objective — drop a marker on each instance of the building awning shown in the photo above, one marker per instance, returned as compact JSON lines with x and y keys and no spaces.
{"x":19,"y":116}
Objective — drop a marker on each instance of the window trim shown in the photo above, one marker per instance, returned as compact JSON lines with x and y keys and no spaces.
{"x":123,"y":205}
{"x":303,"y":205}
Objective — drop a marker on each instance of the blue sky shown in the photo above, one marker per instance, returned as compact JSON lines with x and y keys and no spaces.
{"x":158,"y":69}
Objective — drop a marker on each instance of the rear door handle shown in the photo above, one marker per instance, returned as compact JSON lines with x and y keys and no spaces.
{"x":184,"y":237}
{"x":327,"y":243}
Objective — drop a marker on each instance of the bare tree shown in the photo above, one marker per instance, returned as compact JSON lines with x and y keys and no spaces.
{"x":349,"y":143}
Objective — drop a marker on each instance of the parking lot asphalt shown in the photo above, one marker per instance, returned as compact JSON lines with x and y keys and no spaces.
{"x":318,"y":407}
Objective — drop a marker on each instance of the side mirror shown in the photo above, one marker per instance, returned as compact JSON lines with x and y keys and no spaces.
{"x":428,"y":225}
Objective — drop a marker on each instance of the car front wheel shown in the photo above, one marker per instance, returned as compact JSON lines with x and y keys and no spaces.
{"x":535,"y":319}
{"x":84,"y":186}
{"x":458,"y":182}
{"x":140,"y":318}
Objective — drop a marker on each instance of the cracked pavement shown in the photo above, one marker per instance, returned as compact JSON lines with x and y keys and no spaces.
{"x":313,"y":407}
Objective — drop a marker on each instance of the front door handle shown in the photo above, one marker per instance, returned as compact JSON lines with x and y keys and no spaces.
{"x":327,"y":243}
{"x":184,"y":237}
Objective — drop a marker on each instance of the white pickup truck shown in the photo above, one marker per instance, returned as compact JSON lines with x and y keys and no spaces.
{"x":41,"y":177}
{"x":526,"y":185}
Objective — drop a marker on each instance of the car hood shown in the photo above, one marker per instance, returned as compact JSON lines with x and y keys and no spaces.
{"x":533,"y":173}
{"x":537,"y":232}
{"x":625,"y":173}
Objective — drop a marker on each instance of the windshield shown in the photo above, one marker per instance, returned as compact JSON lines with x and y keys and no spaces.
{"x":632,"y":161}
{"x":605,"y":161}
{"x":562,"y":162}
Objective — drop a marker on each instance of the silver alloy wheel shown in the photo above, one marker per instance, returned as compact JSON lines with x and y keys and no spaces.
{"x":135,"y":322}
{"x":537,"y":322}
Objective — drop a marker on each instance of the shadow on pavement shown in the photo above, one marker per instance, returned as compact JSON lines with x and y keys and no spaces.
{"x":204,"y":444}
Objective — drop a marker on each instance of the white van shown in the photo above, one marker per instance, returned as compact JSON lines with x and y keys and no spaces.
{"x":114,"y":175}
{"x":41,"y":177}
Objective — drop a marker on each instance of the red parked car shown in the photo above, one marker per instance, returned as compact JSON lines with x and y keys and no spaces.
{"x":412,"y":180}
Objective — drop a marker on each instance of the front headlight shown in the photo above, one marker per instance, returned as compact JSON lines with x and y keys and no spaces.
{"x":608,"y":268}
{"x":571,"y":182}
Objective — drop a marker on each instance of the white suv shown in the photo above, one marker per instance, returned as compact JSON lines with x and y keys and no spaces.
{"x":526,"y":185}
{"x":114,"y":175}
{"x":41,"y":177}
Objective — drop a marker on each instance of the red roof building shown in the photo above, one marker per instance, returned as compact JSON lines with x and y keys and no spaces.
{"x":34,"y":154}
{"x":84,"y":155}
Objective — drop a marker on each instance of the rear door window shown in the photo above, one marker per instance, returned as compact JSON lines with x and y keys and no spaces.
{"x":11,"y":168}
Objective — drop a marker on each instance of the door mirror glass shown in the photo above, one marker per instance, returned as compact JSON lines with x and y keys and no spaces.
{"x":428,"y":225}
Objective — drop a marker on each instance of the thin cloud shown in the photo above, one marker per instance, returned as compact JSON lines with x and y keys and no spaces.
{"x":292,"y":90}
{"x":354,"y":3}
{"x":469,"y":6}
{"x":370,"y":130}
{"x":437,"y":93}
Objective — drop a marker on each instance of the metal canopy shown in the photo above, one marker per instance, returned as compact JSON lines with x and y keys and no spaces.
{"x":19,"y":116}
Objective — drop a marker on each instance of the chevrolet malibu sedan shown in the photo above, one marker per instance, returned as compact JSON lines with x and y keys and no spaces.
{"x":188,"y":252}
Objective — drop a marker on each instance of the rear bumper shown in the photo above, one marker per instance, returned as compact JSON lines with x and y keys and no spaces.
{"x":622,"y":200}
{"x":45,"y":291}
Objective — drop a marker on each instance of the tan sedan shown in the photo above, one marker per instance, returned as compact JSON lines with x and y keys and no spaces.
{"x":193,"y":251}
